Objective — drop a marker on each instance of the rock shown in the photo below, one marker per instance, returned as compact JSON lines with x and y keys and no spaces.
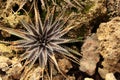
{"x":102,"y":72}
{"x":113,"y":8}
{"x":88,"y":79}
{"x":4,"y":48}
{"x":13,"y":71}
{"x":71,"y":78}
{"x":109,"y":36}
{"x":34,"y":74}
{"x":10,"y":68}
{"x":64,"y":65}
{"x":1,"y":78}
{"x":110,"y":76}
{"x":90,"y":55}
{"x":3,"y":62}
{"x":58,"y":77}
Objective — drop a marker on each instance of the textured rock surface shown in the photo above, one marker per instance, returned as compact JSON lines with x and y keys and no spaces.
{"x":113,"y":8}
{"x":65,"y":65}
{"x":4,"y":48}
{"x":4,"y":62}
{"x":34,"y":74}
{"x":88,"y":79}
{"x":110,"y":76}
{"x":90,"y":55}
{"x":10,"y":72}
{"x":109,"y":37}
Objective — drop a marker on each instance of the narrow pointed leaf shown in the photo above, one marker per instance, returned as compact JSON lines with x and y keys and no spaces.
{"x":15,"y":32}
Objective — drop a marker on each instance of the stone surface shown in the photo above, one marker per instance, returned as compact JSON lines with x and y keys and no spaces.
{"x":90,"y":55}
{"x":88,"y":79}
{"x":110,"y":76}
{"x":109,"y":36}
{"x":64,"y":65}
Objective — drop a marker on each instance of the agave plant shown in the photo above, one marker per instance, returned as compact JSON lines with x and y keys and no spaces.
{"x":43,"y":41}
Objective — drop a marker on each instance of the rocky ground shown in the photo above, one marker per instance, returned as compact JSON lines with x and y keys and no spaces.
{"x":97,"y":25}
